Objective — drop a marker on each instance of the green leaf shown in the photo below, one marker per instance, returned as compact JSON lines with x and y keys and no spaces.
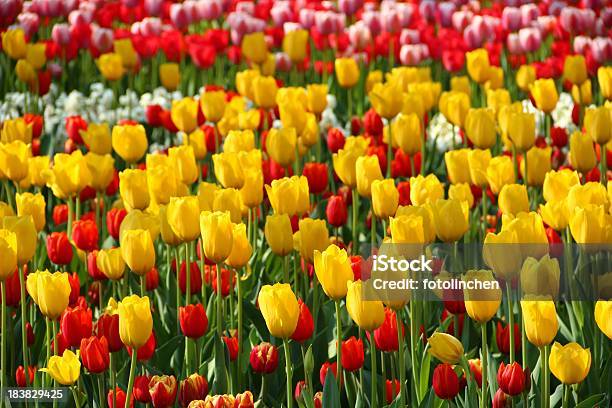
{"x":594,"y":401}
{"x":220,"y":385}
{"x":309,"y":361}
{"x":556,"y":396}
{"x":331,"y":399}
{"x":424,"y":374}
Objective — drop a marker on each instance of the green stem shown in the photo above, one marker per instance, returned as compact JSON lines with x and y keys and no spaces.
{"x":401,"y":362}
{"x":143,"y":286}
{"x":219,"y":303}
{"x":70,"y":216}
{"x":177,"y":258}
{"x":355,"y":215}
{"x":3,"y":365}
{"x":390,"y":153}
{"x":413,"y":346}
{"x":483,"y":202}
{"x":286,"y":270}
{"x":239,"y":293}
{"x":566,"y":395}
{"x":485,"y":356}
{"x":374,"y":374}
{"x":77,"y":404}
{"x":510,"y":320}
{"x":338,"y":347}
{"x":24,"y":318}
{"x":288,"y":372}
{"x":131,"y":379}
{"x":372,"y":231}
{"x":515,"y":163}
{"x":101,"y":389}
{"x":603,"y":150}
{"x":349,"y":104}
{"x":113,"y":381}
{"x":187,"y":274}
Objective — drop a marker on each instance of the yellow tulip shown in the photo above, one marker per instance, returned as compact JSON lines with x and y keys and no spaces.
{"x":604,"y":78}
{"x":254,"y":47}
{"x":295,"y":43}
{"x":14,"y":158}
{"x":480,"y":127}
{"x":598,"y":124}
{"x":217,"y":235}
{"x":406,"y":133}
{"x":268,"y":67}
{"x":162,"y":183}
{"x":14,"y":43}
{"x":580,"y":195}
{"x":170,"y":75}
{"x":249,"y":120}
{"x":570,"y":363}
{"x":423,"y":212}
{"x":333,"y":269}
{"x":135,"y":321}
{"x":478,"y":162}
{"x":279,"y":308}
{"x":385,"y":198}
{"x":241,"y":247}
{"x":110,"y":262}
{"x":8,"y":254}
{"x":281,"y":145}
{"x":481,"y":304}
{"x":244,"y":82}
{"x":264,"y":91}
{"x":167,"y":234}
{"x":575,"y":69}
{"x":460,"y":84}
{"x":540,"y":320}
{"x":16,"y":129}
{"x":130,"y":142}
{"x":502,"y":254}
{"x":367,"y":170}
{"x":582,"y":94}
{"x":136,"y":220}
{"x":582,"y":153}
{"x":407,"y":229}
{"x":133,"y":189}
{"x":430,"y":92}
{"x":461,"y":192}
{"x":293,"y":115}
{"x":36,"y":168}
{"x":530,"y":233}
{"x":184,"y":162}
{"x":27,"y":236}
{"x":125,"y":49}
{"x":347,"y":72}
{"x":445,"y":348}
{"x":538,"y":160}
{"x":500,"y":172}
{"x":138,"y":251}
{"x":386,"y":99}
{"x":312,"y":236}
{"x":556,"y":214}
{"x":206,"y":194}
{"x":110,"y":66}
{"x":183,"y":214}
{"x":25,"y":72}
{"x":213,"y":105}
{"x":455,"y":106}
{"x":252,"y":190}
{"x":289,"y":195}
{"x":229,"y":200}
{"x":52,"y":294}
{"x":413,"y":103}
{"x":357,"y":143}
{"x":457,"y":167}
{"x":540,"y":277}
{"x":317,"y":98}
{"x":97,"y":138}
{"x":544,"y":92}
{"x":5,"y":210}
{"x":603,"y":311}
{"x":34,"y":205}
{"x":344,"y":165}
{"x":184,"y":114}
{"x":444,"y":210}
{"x":70,"y":174}
{"x":521,"y":130}
{"x":497,"y":99}
{"x":367,"y":314}
{"x":425,"y":190}
{"x":65,"y":369}
{"x":228,"y":170}
{"x":525,"y":76}
{"x":589,"y":224}
{"x":558,"y":183}
{"x":102,"y":169}
{"x":478,"y":65}
{"x":513,"y":199}
{"x":374,"y":77}
{"x":278,"y":233}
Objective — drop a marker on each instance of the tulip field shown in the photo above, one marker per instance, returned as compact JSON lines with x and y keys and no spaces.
{"x":300,"y":203}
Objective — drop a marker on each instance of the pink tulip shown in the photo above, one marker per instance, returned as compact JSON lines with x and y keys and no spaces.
{"x":601,"y":48}
{"x":56,"y":69}
{"x":179,"y":16}
{"x":150,"y":27}
{"x":581,"y":44}
{"x":359,"y":35}
{"x":68,"y":6}
{"x":29,"y":22}
{"x":326,"y":22}
{"x":372,"y":21}
{"x":413,"y":54}
{"x":556,"y":7}
{"x":427,"y":9}
{"x":306,"y":18}
{"x":446,"y":10}
{"x":513,"y":43}
{"x":102,"y":39}
{"x":191,"y":7}
{"x":281,"y":13}
{"x":77,"y":17}
{"x":511,"y":19}
{"x":210,"y":9}
{"x":153,"y":8}
{"x":570,"y":20}
{"x":461,"y":19}
{"x":61,"y":34}
{"x":405,"y":13}
{"x":390,"y":21}
{"x":9,"y":10}
{"x":349,"y":7}
{"x":474,"y":35}
{"x":408,"y":36}
{"x":530,"y":39}
{"x":529,"y":12}
{"x":49,"y":8}
{"x":283,"y":63}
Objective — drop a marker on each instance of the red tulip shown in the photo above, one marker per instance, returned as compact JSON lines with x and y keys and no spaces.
{"x":20,"y":378}
{"x":59,"y":248}
{"x":225,"y":280}
{"x":93,"y":293}
{"x":476,"y":370}
{"x":94,"y":354}
{"x":163,"y":390}
{"x":114,"y":218}
{"x":453,"y":301}
{"x":502,"y":336}
{"x":244,"y":400}
{"x":385,"y":337}
{"x":335,"y":139}
{"x":193,"y":320}
{"x":372,"y":123}
{"x":511,"y":378}
{"x":195,"y":278}
{"x":85,"y":235}
{"x":264,"y":358}
{"x":119,"y":396}
{"x":60,"y":214}
{"x":305,"y":326}
{"x":404,"y":192}
{"x":352,"y":354}
{"x":317,"y":176}
{"x":450,"y":329}
{"x":145,"y":352}
{"x":192,"y":388}
{"x":62,"y":345}
{"x":30,"y":334}
{"x":152,"y":115}
{"x":327,"y":366}
{"x":501,"y":400}
{"x":76,"y":325}
{"x":108,"y":327}
{"x":74,"y":124}
{"x":37,"y":124}
{"x":13,"y":289}
{"x":141,"y":389}
{"x":152,"y":279}
{"x":445,"y":382}
{"x":75,"y":288}
{"x":392,"y":388}
{"x":232,"y":346}
{"x":336,"y":211}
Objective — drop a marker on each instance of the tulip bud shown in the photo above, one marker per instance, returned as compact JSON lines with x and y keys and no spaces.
{"x":511,"y":378}
{"x":264,"y":358}
{"x":570,"y":363}
{"x":231,"y":342}
{"x":85,"y":235}
{"x":385,"y":336}
{"x":94,"y":354}
{"x":76,"y":325}
{"x":325,"y":368}
{"x":192,"y":388}
{"x":305,"y":326}
{"x":195,"y":278}
{"x":118,"y":395}
{"x":445,"y":382}
{"x":352,"y":356}
{"x":502,"y":337}
{"x":59,"y":249}
{"x":336,"y":211}
{"x":20,"y":375}
{"x":108,"y":327}
{"x":193,"y":320}
{"x":141,"y":389}
{"x":163,"y":390}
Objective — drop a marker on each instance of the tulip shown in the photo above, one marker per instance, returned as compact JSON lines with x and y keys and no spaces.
{"x":540,"y":277}
{"x":478,"y":65}
{"x":281,"y":145}
{"x":499,"y":173}
{"x":108,"y":327}
{"x":14,"y":43}
{"x":133,"y":189}
{"x":169,"y":76}
{"x":497,"y":99}
{"x":512,"y":379}
{"x":238,"y":141}
{"x":386,"y":100}
{"x":193,"y":320}
{"x":556,"y":214}
{"x":367,"y":170}
{"x":480,"y":127}
{"x":20,"y":375}
{"x":582,"y":95}
{"x":110,"y":66}
{"x":570,"y":363}
{"x":545,"y":94}
{"x":183,"y":158}
{"x":65,"y":369}
{"x":443,"y":210}
{"x":445,"y":382}
{"x":585,"y":194}
{"x":406,"y":133}
{"x":425,"y":190}
{"x":125,"y":49}
{"x":312,"y":236}
{"x":481,"y":304}
{"x":602,"y":316}
{"x":254,"y":47}
{"x":347,"y":72}
{"x":241,"y":248}
{"x":264,"y":358}
{"x":94,"y":353}
{"x":183,"y":217}
{"x":289,"y":195}
{"x":216,"y":230}
{"x":25,"y":72}
{"x":102,"y":170}
{"x":317,"y":98}
{"x":85,"y":235}
{"x":336,"y":211}
{"x":25,"y":231}
{"x":184,"y":114}
{"x":604,"y":78}
{"x":455,"y":107}
{"x":597,"y":122}
{"x":213,"y":105}
{"x":14,"y":158}
{"x":8,"y":254}
{"x":163,"y":390}
{"x":278,"y":233}
{"x":457,"y":167}
{"x":407,"y":229}
{"x":525,"y":76}
{"x":265,"y":91}
{"x":333,"y":270}
{"x":521,"y":130}
{"x":37,"y":166}
{"x":367,"y":314}
{"x":344,"y":165}
{"x":305,"y":326}
{"x":445,"y":348}
{"x":385,"y":198}
{"x":513,"y":199}
{"x":352,"y":354}
{"x":138,"y":251}
{"x":279,"y":308}
{"x":34,"y":205}
{"x":294,"y":45}
{"x":192,"y":388}
{"x":540,"y":320}
{"x":228,"y":170}
{"x":575,"y":69}
{"x":52,"y":293}
{"x":135,"y":321}
{"x":118,"y":395}
{"x":130,"y":142}
{"x":558,"y":183}
{"x":588,"y":225}
{"x":539,"y":165}
{"x":478,"y":162}
{"x":141,"y":389}
{"x":16,"y":129}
